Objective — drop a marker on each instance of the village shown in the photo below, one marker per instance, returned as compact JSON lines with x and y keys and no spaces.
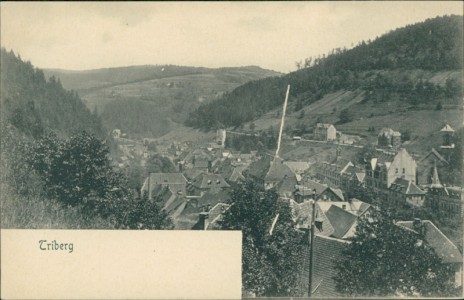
{"x":195,"y":195}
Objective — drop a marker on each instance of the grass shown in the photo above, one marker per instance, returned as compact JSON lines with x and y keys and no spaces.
{"x":35,"y":212}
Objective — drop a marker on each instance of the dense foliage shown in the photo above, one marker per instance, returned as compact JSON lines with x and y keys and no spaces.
{"x":32,"y":104}
{"x":246,"y":143}
{"x":73,"y":176}
{"x":53,"y":177}
{"x":270,"y":262}
{"x":433,"y":45}
{"x":385,"y":260}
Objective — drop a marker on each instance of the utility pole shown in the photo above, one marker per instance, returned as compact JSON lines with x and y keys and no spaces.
{"x":282,"y":122}
{"x":149,"y":190}
{"x":311,"y":244}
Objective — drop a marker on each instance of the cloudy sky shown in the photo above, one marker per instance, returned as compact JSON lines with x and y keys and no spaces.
{"x":272,"y":35}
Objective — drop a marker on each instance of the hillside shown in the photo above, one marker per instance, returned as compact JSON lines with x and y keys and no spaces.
{"x":33,"y":104}
{"x":396,"y":80}
{"x":149,"y":101}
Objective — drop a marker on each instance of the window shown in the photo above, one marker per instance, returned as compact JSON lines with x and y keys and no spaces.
{"x":404,"y":170}
{"x":396,"y":171}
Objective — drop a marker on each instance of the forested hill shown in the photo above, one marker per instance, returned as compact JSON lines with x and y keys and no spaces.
{"x":88,"y":80}
{"x":33,"y":104}
{"x":398,"y":66}
{"x":152,"y":100}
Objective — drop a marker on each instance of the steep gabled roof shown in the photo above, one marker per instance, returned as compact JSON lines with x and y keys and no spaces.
{"x":258,"y":169}
{"x":406,"y":187}
{"x":209,"y":181}
{"x":309,"y":185}
{"x":341,"y":220}
{"x":278,"y":171}
{"x":167,"y":178}
{"x":447,"y":128}
{"x":297,"y":166}
{"x":302,"y":215}
{"x":327,"y":252}
{"x":442,"y":245}
{"x":436,"y":154}
{"x":337,"y":192}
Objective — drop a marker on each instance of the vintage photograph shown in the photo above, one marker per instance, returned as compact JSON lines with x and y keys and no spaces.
{"x":328,"y":133}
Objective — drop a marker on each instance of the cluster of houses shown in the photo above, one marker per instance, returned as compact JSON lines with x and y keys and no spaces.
{"x":196,"y":196}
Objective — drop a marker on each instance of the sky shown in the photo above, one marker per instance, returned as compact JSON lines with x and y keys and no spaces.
{"x":272,"y":35}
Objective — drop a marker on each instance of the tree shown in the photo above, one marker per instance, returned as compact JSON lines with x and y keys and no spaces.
{"x":270,"y":262}
{"x":252,"y":126}
{"x":77,"y":171}
{"x":144,"y":214}
{"x":439,"y":106}
{"x":345,"y":116}
{"x":386,"y":260}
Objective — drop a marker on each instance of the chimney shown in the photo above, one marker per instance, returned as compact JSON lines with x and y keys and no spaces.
{"x":344,"y":206}
{"x":418,"y":226}
{"x":204,"y":220}
{"x":318,"y":223}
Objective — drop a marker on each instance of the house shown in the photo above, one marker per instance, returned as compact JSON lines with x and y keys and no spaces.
{"x":277,"y":172}
{"x":341,"y":172}
{"x":302,"y":216}
{"x":206,"y":183}
{"x":426,"y":165}
{"x":175,"y":181}
{"x":446,"y":201}
{"x":116,"y":133}
{"x":310,"y":187}
{"x":343,"y":222}
{"x":325,"y":132}
{"x":221,"y":137}
{"x":444,"y":248}
{"x":354,"y":206}
{"x":386,"y":167}
{"x":389,"y":138}
{"x":298,"y":167}
{"x":327,"y":252}
{"x":447,"y":133}
{"x":404,"y":192}
{"x":257,"y":170}
{"x":210,"y":219}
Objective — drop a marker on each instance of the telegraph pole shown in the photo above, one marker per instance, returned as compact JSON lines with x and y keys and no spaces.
{"x":311,"y":244}
{"x":282,"y":121}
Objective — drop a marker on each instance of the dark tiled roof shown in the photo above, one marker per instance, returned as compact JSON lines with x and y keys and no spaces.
{"x":406,"y":187}
{"x":338,"y":192}
{"x":287,"y":185}
{"x":192,"y":173}
{"x":327,"y":251}
{"x":436,"y":154}
{"x":259,"y":168}
{"x":445,"y":249}
{"x":309,"y":185}
{"x":216,"y":214}
{"x":167,"y":178}
{"x":297,"y":166}
{"x":341,"y":220}
{"x":278,"y":171}
{"x":302,"y":214}
{"x":209,"y":181}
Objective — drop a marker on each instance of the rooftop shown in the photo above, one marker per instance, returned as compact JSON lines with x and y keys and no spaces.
{"x":445,"y":249}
